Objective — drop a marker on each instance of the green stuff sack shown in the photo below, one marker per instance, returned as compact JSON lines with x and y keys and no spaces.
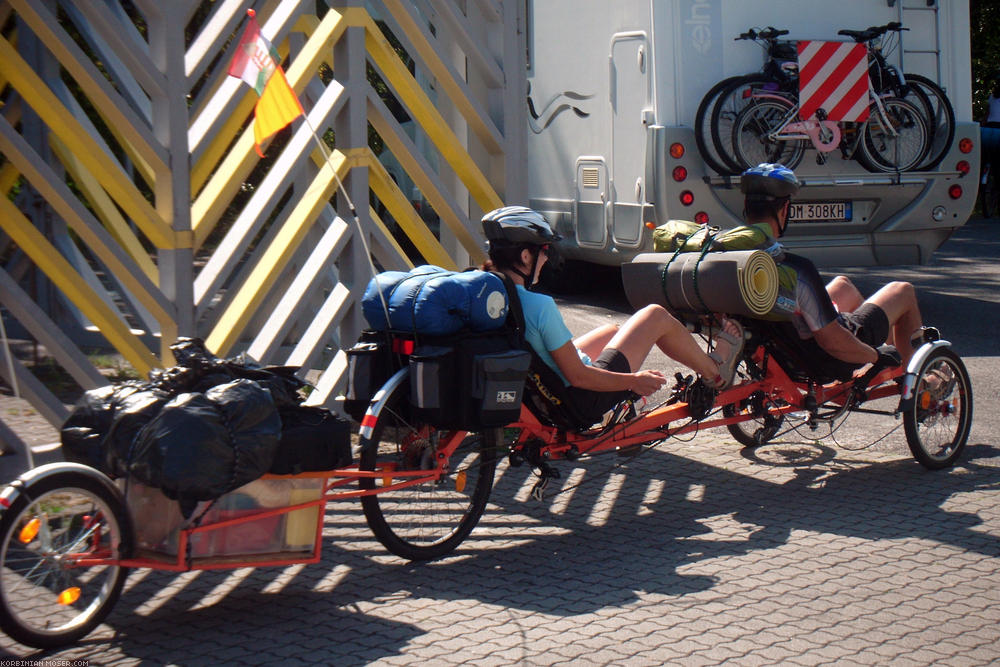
{"x":692,"y":237}
{"x":684,"y":236}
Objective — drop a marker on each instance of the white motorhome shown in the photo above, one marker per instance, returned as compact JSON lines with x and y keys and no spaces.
{"x":614,"y":87}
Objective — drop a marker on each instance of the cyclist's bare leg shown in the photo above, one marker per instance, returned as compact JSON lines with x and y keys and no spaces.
{"x":845,"y":296}
{"x":899,"y":301}
{"x":594,"y":341}
{"x":653,"y":325}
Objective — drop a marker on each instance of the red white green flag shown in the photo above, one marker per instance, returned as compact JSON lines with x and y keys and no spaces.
{"x":256,"y":62}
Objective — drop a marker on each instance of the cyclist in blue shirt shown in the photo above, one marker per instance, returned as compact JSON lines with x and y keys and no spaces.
{"x":601,"y":366}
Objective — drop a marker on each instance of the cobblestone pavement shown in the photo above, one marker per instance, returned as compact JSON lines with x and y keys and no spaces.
{"x":692,"y":553}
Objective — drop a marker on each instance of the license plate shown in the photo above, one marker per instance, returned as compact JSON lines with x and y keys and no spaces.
{"x":825,"y":211}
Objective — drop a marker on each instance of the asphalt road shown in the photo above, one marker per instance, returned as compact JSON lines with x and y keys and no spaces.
{"x":958,"y":292}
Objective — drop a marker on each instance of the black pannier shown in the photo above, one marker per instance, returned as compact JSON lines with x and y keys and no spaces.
{"x":469,"y":381}
{"x":369,"y":364}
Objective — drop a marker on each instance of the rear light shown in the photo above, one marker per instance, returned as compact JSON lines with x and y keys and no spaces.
{"x":650,"y":224}
{"x":687,"y":198}
{"x":701,"y":218}
{"x":965,"y":145}
{"x":955,"y":191}
{"x":680,"y":173}
{"x":677,"y":151}
{"x":402,"y":346}
{"x":963,"y":167}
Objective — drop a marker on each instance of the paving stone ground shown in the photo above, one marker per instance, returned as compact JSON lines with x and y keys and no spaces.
{"x":694,"y":553}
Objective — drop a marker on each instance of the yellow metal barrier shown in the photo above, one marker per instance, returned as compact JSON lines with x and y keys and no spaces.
{"x":116,"y":173}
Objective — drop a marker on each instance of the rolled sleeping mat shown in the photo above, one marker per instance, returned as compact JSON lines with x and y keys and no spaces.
{"x":736,"y":282}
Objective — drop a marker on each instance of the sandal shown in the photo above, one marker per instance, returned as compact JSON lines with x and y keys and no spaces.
{"x":727,"y":364}
{"x":940,"y":382}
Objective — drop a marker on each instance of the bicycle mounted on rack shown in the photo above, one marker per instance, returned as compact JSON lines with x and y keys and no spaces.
{"x":754,"y":118}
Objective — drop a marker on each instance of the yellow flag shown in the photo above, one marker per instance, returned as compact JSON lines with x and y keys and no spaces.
{"x":256,"y":62}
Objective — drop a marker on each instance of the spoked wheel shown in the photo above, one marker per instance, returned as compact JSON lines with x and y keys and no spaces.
{"x":937,"y":425}
{"x":762,"y":421}
{"x":47,"y":597}
{"x":427,"y":520}
{"x":753,"y":142}
{"x":761,"y":426}
{"x":729,"y":103}
{"x":896,"y":140}
{"x":940,"y":116}
{"x":703,"y":124}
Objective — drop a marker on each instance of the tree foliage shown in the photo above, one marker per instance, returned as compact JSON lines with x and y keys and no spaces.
{"x":984,"y":20}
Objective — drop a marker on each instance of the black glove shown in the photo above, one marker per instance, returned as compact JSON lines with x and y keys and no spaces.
{"x":888,"y":357}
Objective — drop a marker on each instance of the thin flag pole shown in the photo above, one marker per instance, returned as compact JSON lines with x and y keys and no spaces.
{"x":256,"y":63}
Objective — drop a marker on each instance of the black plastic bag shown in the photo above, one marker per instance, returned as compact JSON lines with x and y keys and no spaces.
{"x":311,"y":439}
{"x":201,"y":446}
{"x":90,"y":435}
{"x":198,"y":370}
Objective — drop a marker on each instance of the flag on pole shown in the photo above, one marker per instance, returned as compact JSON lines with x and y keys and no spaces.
{"x":256,"y":62}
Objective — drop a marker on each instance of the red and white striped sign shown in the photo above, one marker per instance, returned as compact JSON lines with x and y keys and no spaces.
{"x":833,"y":76}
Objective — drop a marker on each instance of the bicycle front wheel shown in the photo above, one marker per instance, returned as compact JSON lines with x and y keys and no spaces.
{"x":894,"y":140}
{"x":430,"y":519}
{"x":755,"y":135}
{"x":47,"y":599}
{"x":940,"y":117}
{"x":937,"y":425}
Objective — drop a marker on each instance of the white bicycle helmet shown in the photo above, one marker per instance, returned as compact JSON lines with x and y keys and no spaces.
{"x":513,"y":226}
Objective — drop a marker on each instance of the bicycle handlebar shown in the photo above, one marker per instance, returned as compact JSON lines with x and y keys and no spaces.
{"x":873,"y":32}
{"x":767,"y":34}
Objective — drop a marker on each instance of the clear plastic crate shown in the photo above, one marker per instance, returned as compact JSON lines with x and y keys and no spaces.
{"x":157,"y":520}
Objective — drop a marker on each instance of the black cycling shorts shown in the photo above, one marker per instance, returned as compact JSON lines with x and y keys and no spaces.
{"x":869,"y":323}
{"x":593,"y":404}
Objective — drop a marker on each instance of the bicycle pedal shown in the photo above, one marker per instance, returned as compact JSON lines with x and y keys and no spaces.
{"x":700,"y":399}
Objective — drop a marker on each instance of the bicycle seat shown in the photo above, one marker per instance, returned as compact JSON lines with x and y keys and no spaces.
{"x":858,"y":35}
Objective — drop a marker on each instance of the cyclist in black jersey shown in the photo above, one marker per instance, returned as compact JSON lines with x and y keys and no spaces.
{"x":844,"y":324}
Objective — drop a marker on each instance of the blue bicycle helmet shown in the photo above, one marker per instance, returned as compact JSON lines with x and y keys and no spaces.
{"x":517,"y":226}
{"x":769,"y":181}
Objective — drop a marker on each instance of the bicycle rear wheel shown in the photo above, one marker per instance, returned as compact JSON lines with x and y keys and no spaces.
{"x":731,"y":102}
{"x":896,"y":140}
{"x":427,"y":520}
{"x":753,"y":142}
{"x":703,"y":134}
{"x":940,"y":117}
{"x":47,"y":600}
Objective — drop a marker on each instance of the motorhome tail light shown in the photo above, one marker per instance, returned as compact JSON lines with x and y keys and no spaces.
{"x":687,"y":198}
{"x":680,"y":173}
{"x":677,"y":150}
{"x":701,"y":218}
{"x":965,"y":145}
{"x":963,"y":167}
{"x":955,"y":191}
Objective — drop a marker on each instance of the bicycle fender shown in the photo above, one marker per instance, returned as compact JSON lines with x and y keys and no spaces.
{"x":378,"y":402}
{"x":18,"y":486}
{"x":912,"y":368}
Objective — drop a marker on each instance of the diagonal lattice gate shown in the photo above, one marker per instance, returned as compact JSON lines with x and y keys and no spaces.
{"x":138,"y":211}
